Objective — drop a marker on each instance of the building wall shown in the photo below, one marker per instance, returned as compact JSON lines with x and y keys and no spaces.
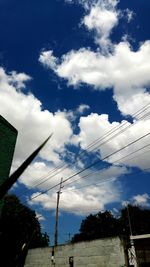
{"x":8,"y":136}
{"x":106,"y":252}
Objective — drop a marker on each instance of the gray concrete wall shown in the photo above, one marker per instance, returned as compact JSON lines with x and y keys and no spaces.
{"x":106,"y":252}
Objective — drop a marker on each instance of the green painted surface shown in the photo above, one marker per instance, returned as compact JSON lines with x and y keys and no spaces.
{"x":8,"y":136}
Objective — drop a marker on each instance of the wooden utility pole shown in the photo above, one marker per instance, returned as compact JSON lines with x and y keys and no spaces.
{"x":57,"y":208}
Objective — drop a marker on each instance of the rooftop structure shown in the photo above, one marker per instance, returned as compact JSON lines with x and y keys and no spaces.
{"x":8,"y":136}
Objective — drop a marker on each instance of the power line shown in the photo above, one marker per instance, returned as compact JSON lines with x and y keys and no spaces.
{"x":112,"y":162}
{"x":122,"y":131}
{"x":104,"y":180}
{"x":56,"y":171}
{"x":100,"y":182}
{"x":93,"y":164}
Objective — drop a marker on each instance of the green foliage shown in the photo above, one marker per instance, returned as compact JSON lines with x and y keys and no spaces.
{"x":101,"y":225}
{"x":104,"y":224}
{"x":19,"y":228}
{"x":139,"y":218}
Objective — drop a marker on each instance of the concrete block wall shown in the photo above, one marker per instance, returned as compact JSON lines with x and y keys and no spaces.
{"x":106,"y":252}
{"x":39,"y":257}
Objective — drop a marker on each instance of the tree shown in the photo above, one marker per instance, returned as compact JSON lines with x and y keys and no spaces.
{"x":19,"y":228}
{"x":102,"y":224}
{"x":133,"y":220}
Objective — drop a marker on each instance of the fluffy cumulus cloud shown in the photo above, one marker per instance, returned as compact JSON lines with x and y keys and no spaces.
{"x":124,"y":70}
{"x":80,"y":202}
{"x":82,"y":108}
{"x":34,"y":125}
{"x":141,"y":200}
{"x":48,"y":59}
{"x":45,"y":176}
{"x":119,"y":135}
{"x":88,"y":191}
{"x":24,"y":111}
{"x":83,"y":197}
{"x":111,"y":66}
{"x":102,"y":18}
{"x":87,"y":4}
{"x":40,"y":217}
{"x":120,"y":68}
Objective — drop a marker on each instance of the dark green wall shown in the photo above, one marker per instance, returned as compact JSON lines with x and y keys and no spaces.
{"x":8,"y":136}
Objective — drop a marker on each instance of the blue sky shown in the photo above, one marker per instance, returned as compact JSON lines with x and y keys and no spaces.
{"x":77,"y":69}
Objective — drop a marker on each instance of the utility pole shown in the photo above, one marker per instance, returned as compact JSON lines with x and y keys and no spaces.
{"x":129,"y":220}
{"x":57,"y":208}
{"x":131,"y":251}
{"x":69,"y":238}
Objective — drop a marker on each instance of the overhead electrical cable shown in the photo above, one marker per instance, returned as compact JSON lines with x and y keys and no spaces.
{"x":100,"y":182}
{"x":91,"y":165}
{"x":116,"y":161}
{"x":103,"y":180}
{"x":58,"y":170}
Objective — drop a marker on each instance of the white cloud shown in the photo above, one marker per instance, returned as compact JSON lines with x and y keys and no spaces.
{"x":82,"y":108}
{"x":79,"y":195}
{"x":141,"y":200}
{"x":120,"y":68}
{"x":38,"y":172}
{"x":83,"y":195}
{"x":129,"y":14}
{"x":125,"y":70}
{"x":90,"y":199}
{"x":17,"y":79}
{"x":102,"y":18}
{"x":125,"y":203}
{"x":40,"y":217}
{"x":47,"y":59}
{"x":95,"y":126}
{"x":87,"y":4}
{"x":14,"y":78}
{"x":72,"y":115}
{"x":80,"y":201}
{"x":25,"y":113}
{"x":34,"y":124}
